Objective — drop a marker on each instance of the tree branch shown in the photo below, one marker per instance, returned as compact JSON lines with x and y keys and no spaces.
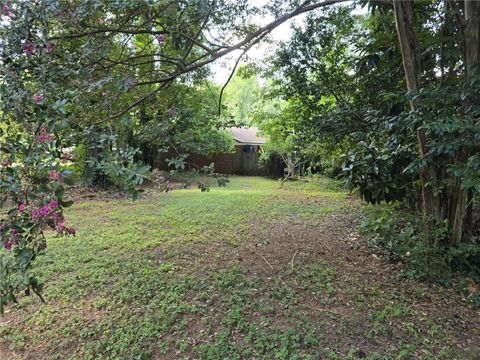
{"x":228,"y":80}
{"x":245,"y":44}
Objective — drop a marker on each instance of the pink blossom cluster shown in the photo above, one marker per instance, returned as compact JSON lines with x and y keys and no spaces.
{"x":29,"y":48}
{"x":44,"y":136}
{"x":59,"y":225}
{"x":14,"y":239}
{"x":6,"y":10}
{"x":55,"y":175}
{"x":11,"y":239}
{"x":44,"y":211}
{"x":38,"y":98}
{"x":51,"y":214}
{"x":63,"y":230}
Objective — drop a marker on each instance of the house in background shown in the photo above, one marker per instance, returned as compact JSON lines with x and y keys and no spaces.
{"x":245,"y":159}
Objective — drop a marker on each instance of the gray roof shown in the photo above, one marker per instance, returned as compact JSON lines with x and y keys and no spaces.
{"x":247,"y":136}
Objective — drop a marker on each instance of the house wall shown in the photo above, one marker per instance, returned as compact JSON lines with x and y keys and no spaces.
{"x":246,"y":163}
{"x":238,"y":163}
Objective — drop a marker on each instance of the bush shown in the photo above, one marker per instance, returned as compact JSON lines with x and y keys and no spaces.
{"x":377,"y":171}
{"x":406,"y":237}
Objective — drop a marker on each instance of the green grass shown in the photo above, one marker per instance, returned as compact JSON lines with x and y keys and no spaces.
{"x":236,"y":273}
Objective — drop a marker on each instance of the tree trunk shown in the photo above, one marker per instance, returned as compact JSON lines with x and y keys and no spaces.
{"x":472,"y":37}
{"x":458,"y":213}
{"x":148,"y":149}
{"x":404,"y":23}
{"x":461,"y":209}
{"x":92,"y":176}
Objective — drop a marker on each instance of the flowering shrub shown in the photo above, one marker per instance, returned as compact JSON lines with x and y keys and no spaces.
{"x":32,"y":173}
{"x":41,"y":95}
{"x":32,"y":190}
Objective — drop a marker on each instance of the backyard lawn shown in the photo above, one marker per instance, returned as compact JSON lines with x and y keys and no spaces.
{"x":250,"y":271}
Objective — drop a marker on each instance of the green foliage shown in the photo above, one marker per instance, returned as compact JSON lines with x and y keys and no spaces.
{"x":305,"y":105}
{"x":178,"y":162}
{"x":407,"y":238}
{"x":376,"y":171}
{"x":38,"y":124}
{"x":63,"y":86}
{"x":127,"y":79}
{"x":118,"y":164}
{"x":466,"y":257}
{"x":32,"y":191}
{"x":340,"y":82}
{"x":222,"y":179}
{"x":452,"y":122}
{"x":205,"y":140}
{"x":241,"y":95}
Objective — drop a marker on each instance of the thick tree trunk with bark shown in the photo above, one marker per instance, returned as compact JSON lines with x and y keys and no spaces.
{"x":461,"y":220}
{"x":472,"y":37}
{"x":457,"y":201}
{"x":411,"y":63}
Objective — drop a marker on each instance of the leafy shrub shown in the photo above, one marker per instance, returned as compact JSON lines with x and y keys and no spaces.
{"x":376,"y":170}
{"x":405,"y":238}
{"x":178,"y":162}
{"x":466,"y":257}
{"x":325,"y":156}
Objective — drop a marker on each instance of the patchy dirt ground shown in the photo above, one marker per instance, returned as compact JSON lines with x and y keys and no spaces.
{"x":252,"y":271}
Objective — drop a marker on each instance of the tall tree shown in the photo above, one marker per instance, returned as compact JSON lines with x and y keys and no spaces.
{"x":408,"y":44}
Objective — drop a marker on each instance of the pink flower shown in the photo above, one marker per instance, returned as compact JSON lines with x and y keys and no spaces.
{"x":48,"y":47}
{"x":57,"y":218}
{"x":40,"y":213}
{"x":21,"y":208}
{"x":35,"y":215}
{"x":44,"y":136}
{"x":53,"y":204}
{"x":44,"y":211}
{"x":7,"y":244}
{"x":63,"y":230}
{"x":38,"y":98}
{"x":55,"y":175}
{"x":6,"y":10}
{"x":160,"y":39}
{"x":29,"y":49}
